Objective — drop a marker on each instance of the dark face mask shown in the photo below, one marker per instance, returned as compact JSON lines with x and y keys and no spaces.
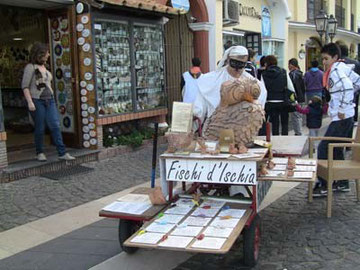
{"x":236,"y":64}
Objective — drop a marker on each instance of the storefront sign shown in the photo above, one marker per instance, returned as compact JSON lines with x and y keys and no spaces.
{"x":181,"y":4}
{"x":265,"y":22}
{"x":211,"y":171}
{"x":248,"y":11}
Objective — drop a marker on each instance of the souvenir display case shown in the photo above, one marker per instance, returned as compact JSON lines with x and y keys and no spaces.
{"x":112,"y":52}
{"x":129,"y":66}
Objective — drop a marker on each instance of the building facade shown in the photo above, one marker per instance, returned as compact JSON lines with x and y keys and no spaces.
{"x":304,"y":41}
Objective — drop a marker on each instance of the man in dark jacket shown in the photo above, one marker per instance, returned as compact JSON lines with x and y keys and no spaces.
{"x":297,"y":79}
{"x":279,"y":87}
{"x":250,"y":67}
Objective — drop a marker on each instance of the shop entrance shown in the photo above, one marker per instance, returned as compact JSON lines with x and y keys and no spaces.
{"x":20,"y":28}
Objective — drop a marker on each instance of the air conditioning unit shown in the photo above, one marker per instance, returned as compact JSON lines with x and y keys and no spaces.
{"x":230,"y":13}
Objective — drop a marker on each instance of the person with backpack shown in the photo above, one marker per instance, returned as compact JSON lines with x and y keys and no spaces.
{"x":250,"y":67}
{"x":313,"y":81}
{"x":280,"y":92}
{"x":297,"y":79}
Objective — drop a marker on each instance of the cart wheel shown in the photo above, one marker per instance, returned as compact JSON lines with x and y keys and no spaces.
{"x":252,"y":242}
{"x":126,"y":229}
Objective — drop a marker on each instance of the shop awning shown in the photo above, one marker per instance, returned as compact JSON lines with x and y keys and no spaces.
{"x":150,"y":5}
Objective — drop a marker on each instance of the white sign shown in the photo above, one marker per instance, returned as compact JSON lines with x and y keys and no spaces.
{"x":235,"y":172}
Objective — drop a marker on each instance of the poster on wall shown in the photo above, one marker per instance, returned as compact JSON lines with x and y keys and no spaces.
{"x":265,"y":21}
{"x":60,"y":40}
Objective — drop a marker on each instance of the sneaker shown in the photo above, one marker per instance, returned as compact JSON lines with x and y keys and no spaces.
{"x":356,"y":124}
{"x":319,"y":192}
{"x":67,"y":156}
{"x":41,"y":157}
{"x":343,"y":186}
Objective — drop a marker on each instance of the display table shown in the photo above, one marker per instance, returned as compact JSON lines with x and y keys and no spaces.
{"x":288,"y":145}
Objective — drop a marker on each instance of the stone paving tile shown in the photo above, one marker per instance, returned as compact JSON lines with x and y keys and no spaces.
{"x":35,"y":197}
{"x":298,"y":236}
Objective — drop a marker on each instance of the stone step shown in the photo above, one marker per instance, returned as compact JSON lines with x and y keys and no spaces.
{"x":27,"y":168}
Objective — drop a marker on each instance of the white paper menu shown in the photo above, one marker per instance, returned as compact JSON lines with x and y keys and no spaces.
{"x":147,"y":238}
{"x":217,"y":232}
{"x":213,"y":204}
{"x":187,"y":231}
{"x":209,"y":243}
{"x":159,"y":228}
{"x":205,"y":212}
{"x":167,"y":218}
{"x":178,"y":210}
{"x":196,"y":221}
{"x":224,"y":223}
{"x":235,"y":213}
{"x":176,"y":241}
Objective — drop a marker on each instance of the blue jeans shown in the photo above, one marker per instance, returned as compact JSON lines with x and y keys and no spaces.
{"x":46,"y":112}
{"x":310,"y":94}
{"x":338,"y":128}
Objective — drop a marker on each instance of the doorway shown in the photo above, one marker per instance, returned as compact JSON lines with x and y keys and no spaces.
{"x":20,"y":28}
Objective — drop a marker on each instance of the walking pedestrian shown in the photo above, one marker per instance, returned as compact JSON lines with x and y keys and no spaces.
{"x":313,"y":81}
{"x":339,"y":79}
{"x":314,"y":112}
{"x":250,"y":66}
{"x":280,"y":91}
{"x":189,"y":81}
{"x":38,"y":92}
{"x":297,"y":79}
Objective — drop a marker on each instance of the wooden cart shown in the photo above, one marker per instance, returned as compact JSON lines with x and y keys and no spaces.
{"x":214,"y":179}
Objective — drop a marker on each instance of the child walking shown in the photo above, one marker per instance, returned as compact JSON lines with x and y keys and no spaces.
{"x":314,"y":112}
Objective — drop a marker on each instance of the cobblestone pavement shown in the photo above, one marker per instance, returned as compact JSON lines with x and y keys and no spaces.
{"x":296,"y":235}
{"x":32,"y":198}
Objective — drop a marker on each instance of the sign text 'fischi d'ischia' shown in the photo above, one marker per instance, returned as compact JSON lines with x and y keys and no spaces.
{"x":211,"y":171}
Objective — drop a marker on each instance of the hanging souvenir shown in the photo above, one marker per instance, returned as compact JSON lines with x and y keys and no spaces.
{"x":64,"y":24}
{"x":79,"y":27}
{"x":62,"y":98}
{"x":79,"y":8}
{"x":83,"y":99}
{"x":55,"y":24}
{"x":92,"y":133}
{"x":62,"y":109}
{"x":85,"y":129}
{"x":86,"y":137}
{"x":59,"y":73}
{"x":67,"y":75}
{"x":83,"y":92}
{"x":86,"y":144}
{"x":90,"y":87}
{"x":88,"y":76}
{"x":85,"y":121}
{"x":84,"y":114}
{"x":83,"y":84}
{"x":66,"y":58}
{"x":61,"y":86}
{"x":69,"y":107}
{"x":58,"y":50}
{"x":91,"y":109}
{"x":66,"y":122}
{"x":58,"y":62}
{"x":85,"y":33}
{"x":84,"y":19}
{"x":86,"y":47}
{"x":84,"y":106}
{"x":93,"y":141}
{"x":91,"y":126}
{"x":91,"y":119}
{"x":81,"y":41}
{"x":87,"y":61}
{"x":65,"y":41}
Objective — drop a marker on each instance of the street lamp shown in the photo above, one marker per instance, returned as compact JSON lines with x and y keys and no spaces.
{"x":325,"y":25}
{"x":332,"y":26}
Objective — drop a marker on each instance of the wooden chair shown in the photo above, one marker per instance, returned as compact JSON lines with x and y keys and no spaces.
{"x":332,"y":170}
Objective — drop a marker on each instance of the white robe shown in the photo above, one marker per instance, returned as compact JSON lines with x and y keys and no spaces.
{"x":208,"y":97}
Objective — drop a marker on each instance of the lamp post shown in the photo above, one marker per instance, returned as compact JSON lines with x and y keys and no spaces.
{"x":326,"y":25}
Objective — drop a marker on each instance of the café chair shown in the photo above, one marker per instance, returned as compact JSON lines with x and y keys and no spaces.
{"x":332,"y":170}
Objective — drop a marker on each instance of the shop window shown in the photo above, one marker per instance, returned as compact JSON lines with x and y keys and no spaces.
{"x":253,"y":41}
{"x":129,"y":66}
{"x":340,"y":13}
{"x":313,"y":9}
{"x":276,"y":48}
{"x":233,"y":40}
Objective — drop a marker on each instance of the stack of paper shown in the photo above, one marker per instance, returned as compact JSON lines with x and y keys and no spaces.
{"x":134,"y":208}
{"x":217,"y":232}
{"x":224,"y":223}
{"x":196,"y":221}
{"x":172,"y":219}
{"x":159,"y":228}
{"x":187,"y":231}
{"x":176,"y":241}
{"x":201,"y":212}
{"x":148,"y":238}
{"x":234,"y":213}
{"x":209,"y":243}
